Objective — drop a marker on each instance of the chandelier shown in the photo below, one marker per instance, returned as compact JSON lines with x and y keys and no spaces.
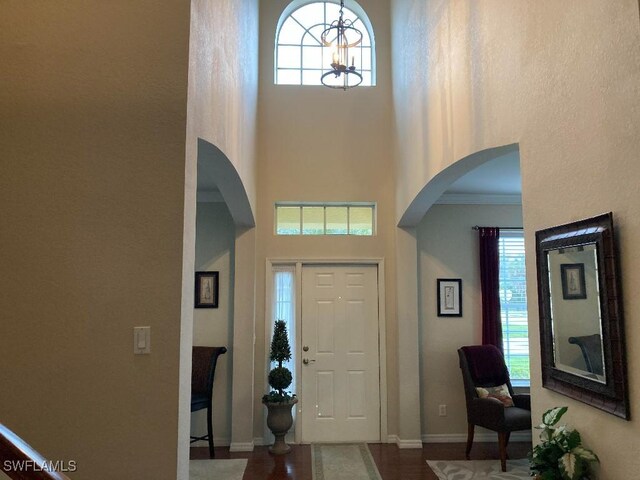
{"x":341,"y":35}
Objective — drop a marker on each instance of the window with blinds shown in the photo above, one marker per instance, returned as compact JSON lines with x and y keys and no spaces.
{"x":283,"y":308}
{"x":513,"y":305}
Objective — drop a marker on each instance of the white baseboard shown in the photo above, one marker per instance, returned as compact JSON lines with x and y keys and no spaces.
{"x":241,"y":447}
{"x":218,"y":442}
{"x":392,"y":439}
{"x":524,"y":436}
{"x":408,"y":443}
{"x":259,"y":441}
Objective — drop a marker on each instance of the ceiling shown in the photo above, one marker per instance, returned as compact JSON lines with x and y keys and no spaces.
{"x":494,"y":182}
{"x":496,"y":177}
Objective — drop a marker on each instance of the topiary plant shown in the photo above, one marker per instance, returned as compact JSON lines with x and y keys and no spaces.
{"x":279,"y":377}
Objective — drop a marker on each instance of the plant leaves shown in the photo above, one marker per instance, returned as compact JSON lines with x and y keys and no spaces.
{"x":568,"y":465}
{"x":573,"y":440}
{"x":585,"y":454}
{"x":551,"y":417}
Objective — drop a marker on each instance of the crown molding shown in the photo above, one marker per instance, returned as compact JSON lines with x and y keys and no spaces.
{"x":478,"y":199}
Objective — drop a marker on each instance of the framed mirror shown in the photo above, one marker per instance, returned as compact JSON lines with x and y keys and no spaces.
{"x":581,"y":326}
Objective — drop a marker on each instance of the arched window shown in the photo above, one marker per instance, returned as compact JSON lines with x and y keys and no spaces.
{"x":301,"y":58}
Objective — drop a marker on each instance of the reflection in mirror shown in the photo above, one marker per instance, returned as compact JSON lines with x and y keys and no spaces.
{"x":575,"y":311}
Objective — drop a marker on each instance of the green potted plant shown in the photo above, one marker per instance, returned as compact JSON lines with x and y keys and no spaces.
{"x":560,"y":455}
{"x":279,"y":401}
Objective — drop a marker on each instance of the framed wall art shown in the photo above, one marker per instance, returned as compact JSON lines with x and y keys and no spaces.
{"x":573,"y":283}
{"x":449,"y":297}
{"x":207,"y":289}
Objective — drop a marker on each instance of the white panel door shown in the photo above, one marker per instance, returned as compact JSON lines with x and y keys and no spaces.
{"x":340,"y":397}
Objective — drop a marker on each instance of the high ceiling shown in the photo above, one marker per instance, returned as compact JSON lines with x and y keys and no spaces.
{"x":496,"y":177}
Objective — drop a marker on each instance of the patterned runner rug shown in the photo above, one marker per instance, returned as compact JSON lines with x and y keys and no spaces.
{"x":480,"y":469}
{"x":345,"y":461}
{"x":228,"y":469}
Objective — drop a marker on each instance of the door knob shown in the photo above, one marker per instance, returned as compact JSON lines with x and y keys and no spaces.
{"x":306,"y":361}
{"x":305,"y":348}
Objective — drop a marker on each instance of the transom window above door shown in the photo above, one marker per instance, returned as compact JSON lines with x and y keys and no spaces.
{"x":300,"y":56}
{"x":325,"y":219}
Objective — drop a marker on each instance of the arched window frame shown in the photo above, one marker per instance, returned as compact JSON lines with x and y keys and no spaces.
{"x":296,"y":5}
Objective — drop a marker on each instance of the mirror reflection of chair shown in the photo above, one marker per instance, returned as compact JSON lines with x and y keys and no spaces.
{"x":203,"y":369}
{"x":591,"y":348}
{"x":483,"y":371}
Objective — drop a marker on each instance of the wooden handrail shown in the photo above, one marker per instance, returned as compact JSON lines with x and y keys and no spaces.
{"x":20,"y":461}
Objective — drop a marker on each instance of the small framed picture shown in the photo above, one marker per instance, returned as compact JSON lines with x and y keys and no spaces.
{"x":449,"y":297}
{"x":207,"y":290}
{"x":573,"y":283}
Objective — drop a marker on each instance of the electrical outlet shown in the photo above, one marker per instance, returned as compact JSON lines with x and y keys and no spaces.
{"x":442,"y":410}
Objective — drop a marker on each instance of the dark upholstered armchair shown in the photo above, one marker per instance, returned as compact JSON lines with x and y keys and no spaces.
{"x":591,"y":348}
{"x":483,"y":366}
{"x":203,"y":369}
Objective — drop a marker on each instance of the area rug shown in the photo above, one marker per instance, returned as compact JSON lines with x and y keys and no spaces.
{"x":228,"y":469}
{"x":480,"y":469}
{"x":346,"y":461}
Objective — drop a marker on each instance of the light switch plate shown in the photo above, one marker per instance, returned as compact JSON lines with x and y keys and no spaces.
{"x":141,"y":340}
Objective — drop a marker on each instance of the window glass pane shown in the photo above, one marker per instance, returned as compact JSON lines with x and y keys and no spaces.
{"x":312,"y":220}
{"x":284,"y":309}
{"x":366,"y":79}
{"x":311,"y":77}
{"x":366,"y":59}
{"x":349,"y":15}
{"x":337,"y":221}
{"x":288,"y":57}
{"x":288,"y":220}
{"x":288,"y":77}
{"x":360,"y":221}
{"x":310,"y":14}
{"x":366,"y":41}
{"x":513,"y":305}
{"x":312,"y":57}
{"x":291,"y":32}
{"x":333,"y":10}
{"x":313,"y":36}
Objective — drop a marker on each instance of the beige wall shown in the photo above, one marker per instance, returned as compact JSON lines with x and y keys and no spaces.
{"x":223,"y":82}
{"x":317,"y":144}
{"x":448,"y":248}
{"x":562,"y":80}
{"x":223,"y":87}
{"x":213,"y":327}
{"x":92,"y":128}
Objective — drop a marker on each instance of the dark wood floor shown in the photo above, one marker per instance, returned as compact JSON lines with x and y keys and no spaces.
{"x":393,"y":463}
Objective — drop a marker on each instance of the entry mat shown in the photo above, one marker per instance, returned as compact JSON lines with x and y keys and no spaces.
{"x":346,"y":461}
{"x":227,"y":469}
{"x":480,"y":469}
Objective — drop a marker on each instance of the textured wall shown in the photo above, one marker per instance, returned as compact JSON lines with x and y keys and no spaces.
{"x":448,"y":248}
{"x":223,"y":82}
{"x":92,"y":128}
{"x":213,"y":327}
{"x":562,"y":80}
{"x":318,"y":144}
{"x":223,"y":87}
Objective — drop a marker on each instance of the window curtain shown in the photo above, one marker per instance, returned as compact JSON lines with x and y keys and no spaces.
{"x":490,"y":285}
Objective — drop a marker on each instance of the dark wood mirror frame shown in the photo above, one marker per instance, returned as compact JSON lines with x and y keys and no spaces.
{"x":612,"y":394}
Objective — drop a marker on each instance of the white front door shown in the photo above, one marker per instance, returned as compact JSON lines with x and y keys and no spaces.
{"x":340,"y":396}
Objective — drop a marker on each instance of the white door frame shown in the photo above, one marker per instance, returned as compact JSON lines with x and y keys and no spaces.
{"x":298,"y":263}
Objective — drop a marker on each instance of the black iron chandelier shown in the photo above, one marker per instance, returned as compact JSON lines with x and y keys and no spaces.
{"x":341,"y":35}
